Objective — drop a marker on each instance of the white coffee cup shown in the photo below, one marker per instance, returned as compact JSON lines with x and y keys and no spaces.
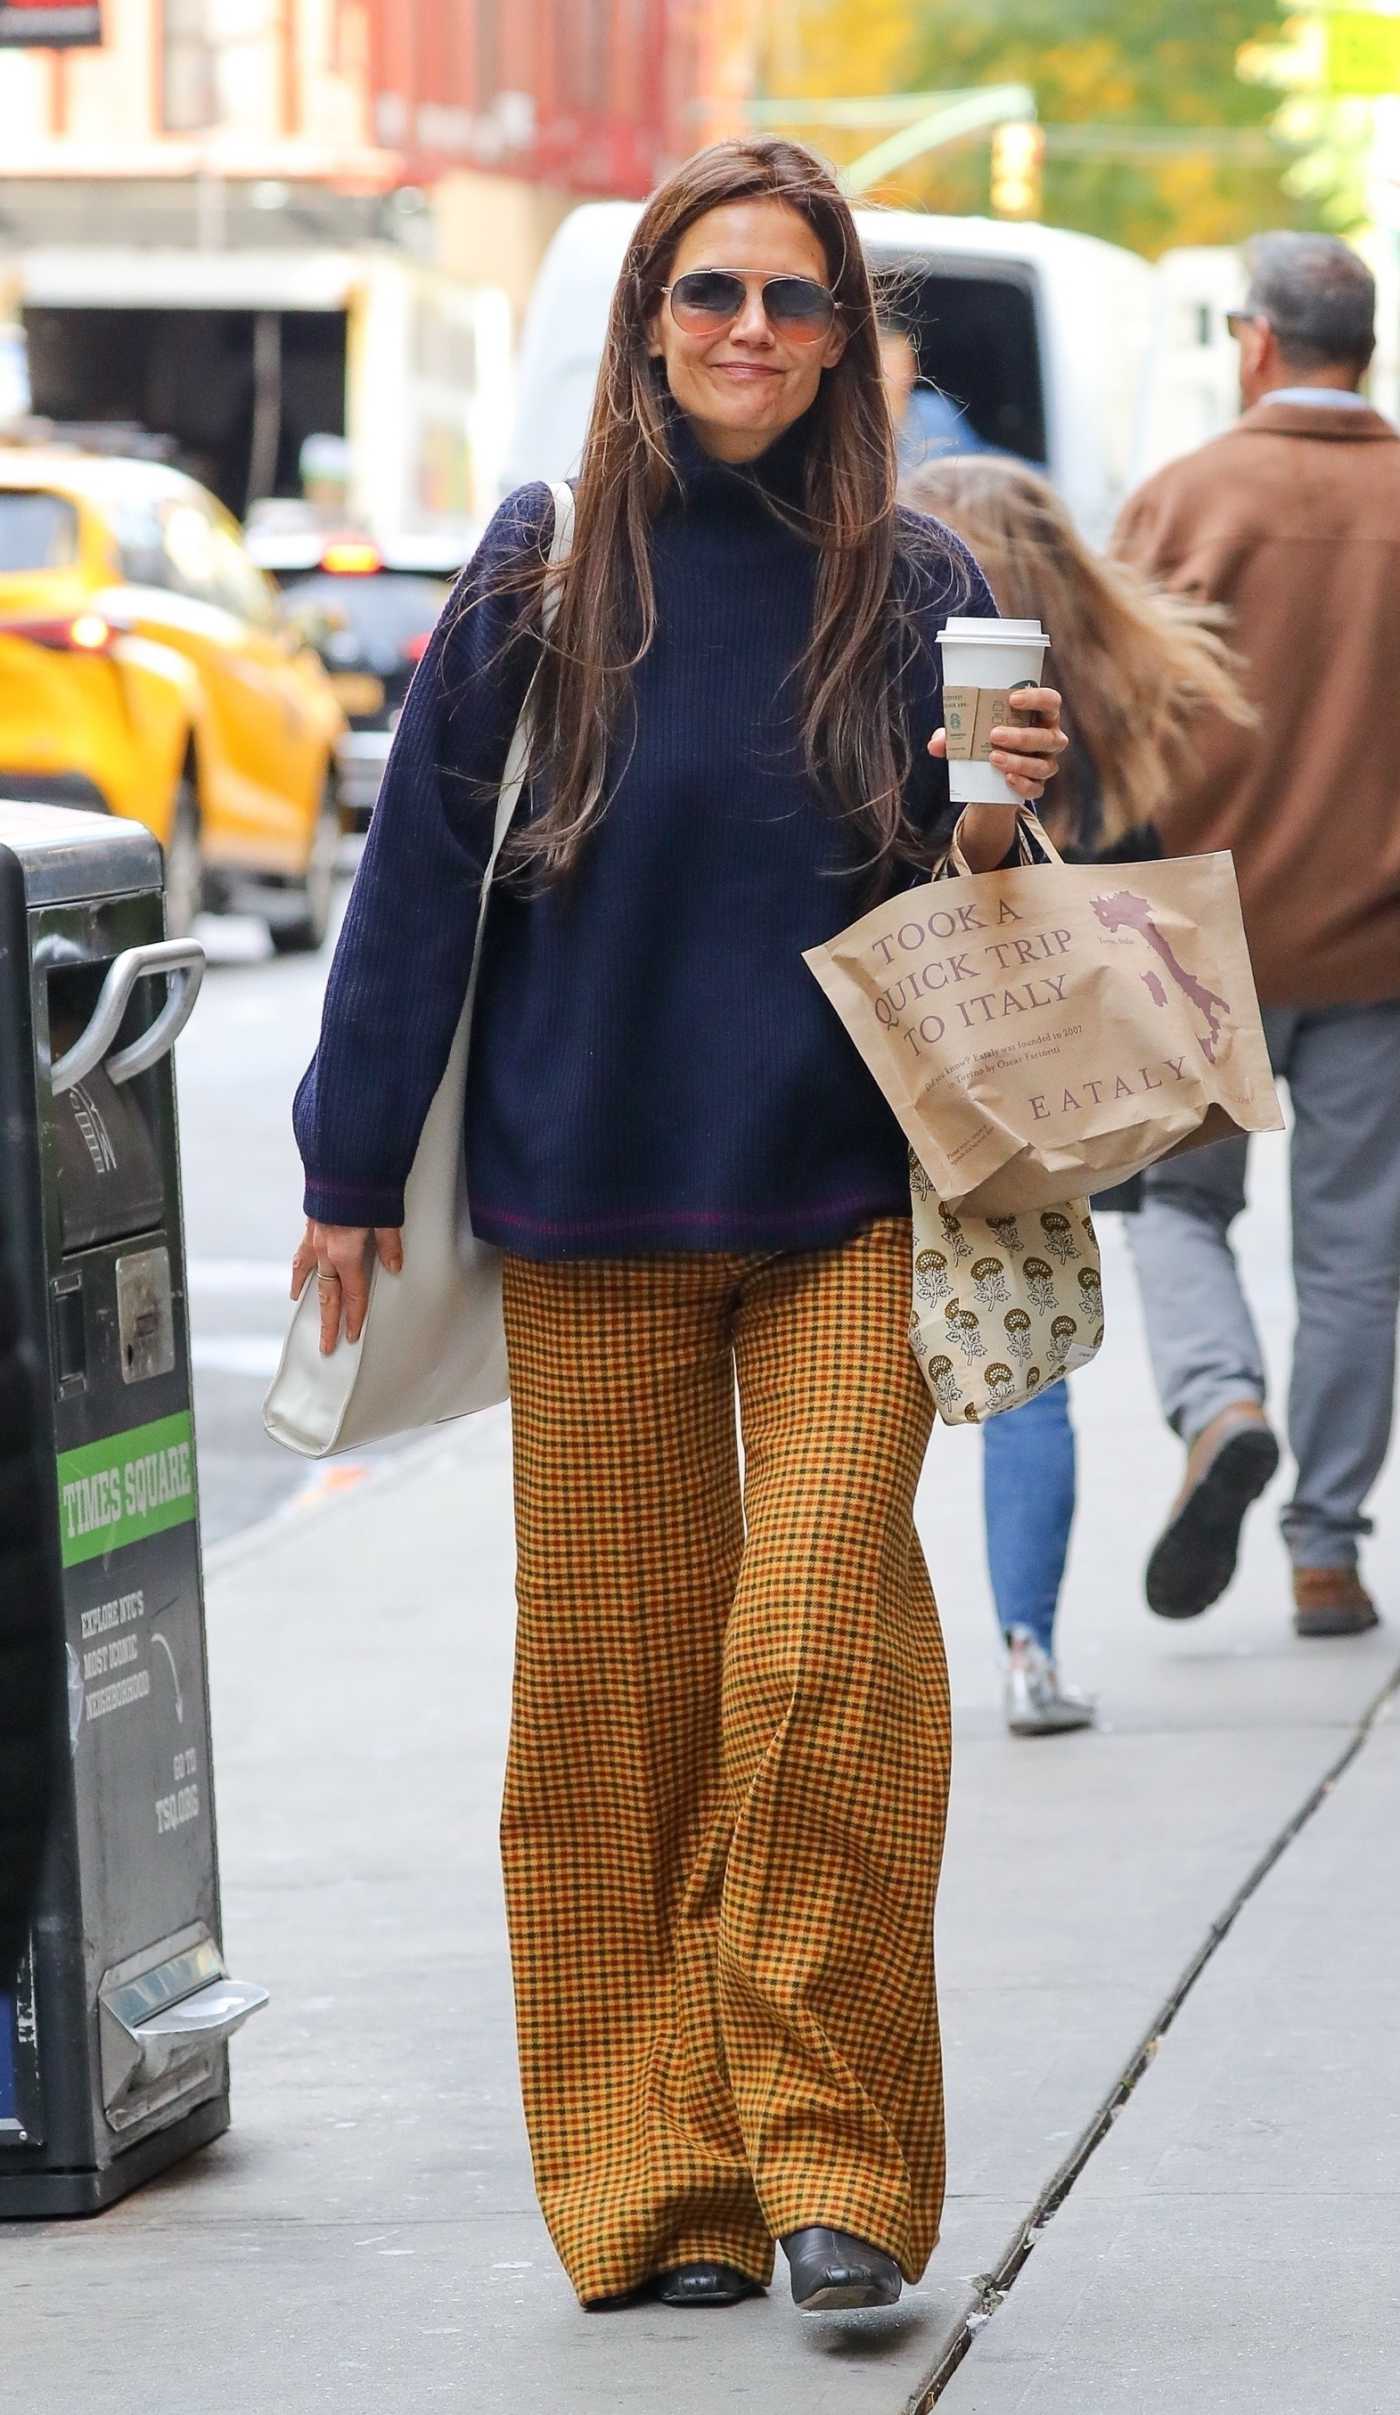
{"x":984,"y":662}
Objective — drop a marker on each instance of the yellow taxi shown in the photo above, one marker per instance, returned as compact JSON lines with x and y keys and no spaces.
{"x":146,"y":670}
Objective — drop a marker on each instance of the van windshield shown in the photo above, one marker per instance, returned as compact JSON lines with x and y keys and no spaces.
{"x":37,"y":531}
{"x":977,"y":342}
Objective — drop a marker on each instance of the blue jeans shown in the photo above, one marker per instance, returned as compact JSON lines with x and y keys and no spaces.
{"x":1028,"y":1504}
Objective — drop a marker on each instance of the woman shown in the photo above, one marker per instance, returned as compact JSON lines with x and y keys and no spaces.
{"x":1139,"y":664}
{"x":728,"y":1766}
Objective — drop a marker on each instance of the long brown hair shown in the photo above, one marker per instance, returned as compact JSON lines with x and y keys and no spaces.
{"x":853,"y":741}
{"x":1136,"y":663}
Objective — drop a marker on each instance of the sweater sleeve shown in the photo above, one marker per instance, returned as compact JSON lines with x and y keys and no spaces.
{"x":399,"y":974}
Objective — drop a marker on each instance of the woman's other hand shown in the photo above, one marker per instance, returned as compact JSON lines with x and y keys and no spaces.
{"x":339,"y":1255}
{"x":1028,"y":758}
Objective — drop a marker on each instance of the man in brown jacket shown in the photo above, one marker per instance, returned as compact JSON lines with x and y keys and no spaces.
{"x":1292,"y":522}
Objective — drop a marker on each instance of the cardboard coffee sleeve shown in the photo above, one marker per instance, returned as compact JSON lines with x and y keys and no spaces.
{"x":971,"y":715}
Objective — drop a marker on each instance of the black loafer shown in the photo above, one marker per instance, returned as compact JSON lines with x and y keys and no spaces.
{"x":704,"y":2285}
{"x":830,"y":2269}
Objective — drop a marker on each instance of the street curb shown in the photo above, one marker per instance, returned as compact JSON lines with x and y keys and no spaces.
{"x":377,"y":1477}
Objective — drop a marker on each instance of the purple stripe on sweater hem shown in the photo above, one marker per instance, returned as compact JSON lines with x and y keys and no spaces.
{"x":816,"y":1214}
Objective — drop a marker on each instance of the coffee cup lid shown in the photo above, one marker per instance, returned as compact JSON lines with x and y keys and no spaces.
{"x":994,"y":632}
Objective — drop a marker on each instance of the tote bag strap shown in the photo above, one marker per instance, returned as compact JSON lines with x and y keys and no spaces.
{"x":513,"y":778}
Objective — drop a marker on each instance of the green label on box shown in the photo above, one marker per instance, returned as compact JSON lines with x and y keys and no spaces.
{"x":126,"y":1487}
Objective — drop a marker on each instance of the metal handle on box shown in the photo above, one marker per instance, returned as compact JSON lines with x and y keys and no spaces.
{"x":183,"y":960}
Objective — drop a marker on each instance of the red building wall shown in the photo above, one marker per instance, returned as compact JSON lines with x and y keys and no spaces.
{"x":594,"y":95}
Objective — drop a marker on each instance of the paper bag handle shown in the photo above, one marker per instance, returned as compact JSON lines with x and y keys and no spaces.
{"x":1028,"y":827}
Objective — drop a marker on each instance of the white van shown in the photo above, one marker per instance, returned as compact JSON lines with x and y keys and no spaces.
{"x":1045,"y":339}
{"x":1194,"y":390}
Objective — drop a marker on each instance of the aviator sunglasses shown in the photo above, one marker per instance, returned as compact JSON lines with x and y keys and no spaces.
{"x":707,"y":299}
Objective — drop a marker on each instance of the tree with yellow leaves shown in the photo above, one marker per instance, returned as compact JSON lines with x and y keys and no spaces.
{"x":828,"y":49}
{"x":1152,"y":137}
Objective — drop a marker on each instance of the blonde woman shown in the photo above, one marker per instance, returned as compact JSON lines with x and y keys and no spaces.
{"x":1136,"y":666}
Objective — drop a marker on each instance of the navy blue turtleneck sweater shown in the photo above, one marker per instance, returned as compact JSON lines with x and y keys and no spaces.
{"x":653,"y":1067}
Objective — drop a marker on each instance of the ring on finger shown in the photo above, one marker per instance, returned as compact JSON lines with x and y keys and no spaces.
{"x":326,"y":1282}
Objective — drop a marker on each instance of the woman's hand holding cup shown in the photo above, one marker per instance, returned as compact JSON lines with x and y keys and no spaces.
{"x":1028,"y":758}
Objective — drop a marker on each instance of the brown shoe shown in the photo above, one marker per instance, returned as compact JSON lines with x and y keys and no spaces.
{"x":1331,"y":1601}
{"x":1227,"y":1467}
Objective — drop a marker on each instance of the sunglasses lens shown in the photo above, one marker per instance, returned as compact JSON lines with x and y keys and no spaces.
{"x":705,"y":299}
{"x":708,"y":298}
{"x":803,"y":309}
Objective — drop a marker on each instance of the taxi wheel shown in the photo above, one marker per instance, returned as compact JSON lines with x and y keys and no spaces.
{"x":301,"y":933}
{"x":184,"y":866}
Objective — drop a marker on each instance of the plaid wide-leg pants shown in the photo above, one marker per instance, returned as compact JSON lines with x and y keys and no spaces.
{"x":729,"y":1757}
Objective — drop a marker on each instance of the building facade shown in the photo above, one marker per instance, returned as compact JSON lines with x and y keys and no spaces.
{"x":585,"y":96}
{"x":257,"y":121}
{"x":239,"y":224}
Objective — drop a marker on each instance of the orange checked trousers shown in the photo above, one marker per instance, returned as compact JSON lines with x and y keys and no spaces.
{"x":729,"y":1757}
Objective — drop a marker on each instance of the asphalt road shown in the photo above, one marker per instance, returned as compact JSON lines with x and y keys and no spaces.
{"x":237,"y":1067}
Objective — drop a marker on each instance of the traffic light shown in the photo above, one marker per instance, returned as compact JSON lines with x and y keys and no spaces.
{"x":1018,"y":156}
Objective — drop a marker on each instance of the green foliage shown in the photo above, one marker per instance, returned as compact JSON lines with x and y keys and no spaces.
{"x":832,"y":48}
{"x":1154,"y":64}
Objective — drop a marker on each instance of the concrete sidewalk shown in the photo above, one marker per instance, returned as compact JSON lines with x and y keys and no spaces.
{"x":1235,"y":2241}
{"x":366,"y":2238}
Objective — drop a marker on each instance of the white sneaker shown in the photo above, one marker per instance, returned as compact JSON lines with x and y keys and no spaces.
{"x":1037,"y":1703}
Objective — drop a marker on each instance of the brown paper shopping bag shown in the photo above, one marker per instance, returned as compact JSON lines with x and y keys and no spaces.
{"x":1054,"y":1028}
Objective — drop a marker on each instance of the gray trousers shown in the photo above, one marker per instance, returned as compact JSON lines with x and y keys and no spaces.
{"x":1342,"y":1067}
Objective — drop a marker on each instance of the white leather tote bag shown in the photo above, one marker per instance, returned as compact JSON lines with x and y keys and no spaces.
{"x":433,"y":1344}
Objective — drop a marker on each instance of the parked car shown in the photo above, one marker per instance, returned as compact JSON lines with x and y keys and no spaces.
{"x":146,"y":670}
{"x":369,"y":611}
